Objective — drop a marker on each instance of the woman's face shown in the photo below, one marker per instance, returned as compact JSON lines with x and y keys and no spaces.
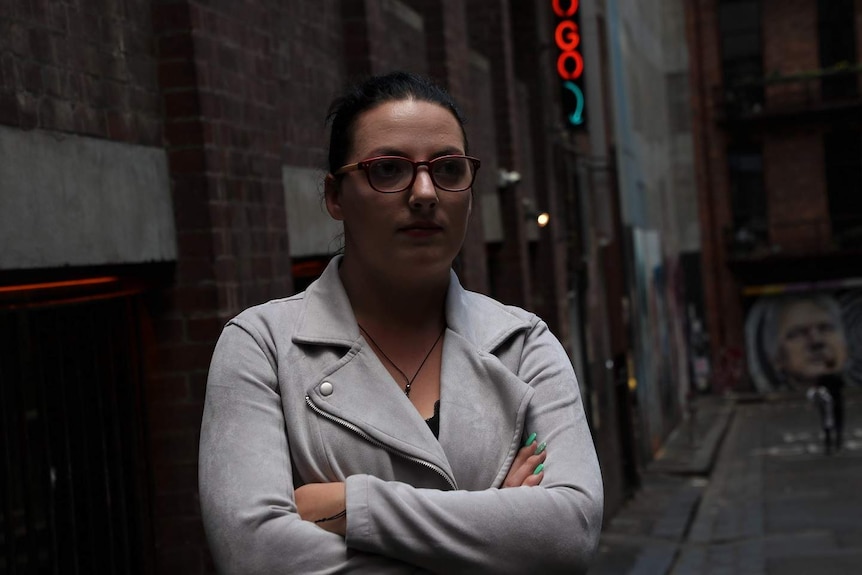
{"x":415,"y":232}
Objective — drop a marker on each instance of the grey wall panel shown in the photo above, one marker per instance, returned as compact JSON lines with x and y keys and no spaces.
{"x":311,"y":230}
{"x":71,"y":201}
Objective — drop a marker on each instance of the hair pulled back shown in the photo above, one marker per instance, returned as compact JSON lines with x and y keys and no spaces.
{"x":372,"y":92}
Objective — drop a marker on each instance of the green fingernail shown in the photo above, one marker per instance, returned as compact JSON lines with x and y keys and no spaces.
{"x":539,"y":469}
{"x":530,"y":439}
{"x":541,"y":447}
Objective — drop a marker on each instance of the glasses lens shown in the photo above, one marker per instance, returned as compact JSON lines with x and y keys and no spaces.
{"x":452,"y":173}
{"x":390,"y":174}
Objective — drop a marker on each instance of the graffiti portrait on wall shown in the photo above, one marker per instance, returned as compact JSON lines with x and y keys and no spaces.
{"x":792,"y":339}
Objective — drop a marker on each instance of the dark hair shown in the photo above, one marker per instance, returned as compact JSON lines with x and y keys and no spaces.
{"x":372,"y":92}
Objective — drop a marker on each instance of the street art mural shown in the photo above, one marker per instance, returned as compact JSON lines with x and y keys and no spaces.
{"x":792,"y":337}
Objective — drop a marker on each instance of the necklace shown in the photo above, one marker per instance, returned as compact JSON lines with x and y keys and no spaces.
{"x":409,"y":380}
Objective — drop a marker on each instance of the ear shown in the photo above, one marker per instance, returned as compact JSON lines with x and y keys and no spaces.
{"x":332,"y":197}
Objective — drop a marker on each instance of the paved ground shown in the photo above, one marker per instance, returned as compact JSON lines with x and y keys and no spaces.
{"x":746,"y":489}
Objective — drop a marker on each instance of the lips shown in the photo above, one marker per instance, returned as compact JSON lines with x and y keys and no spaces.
{"x":424,"y":225}
{"x":421,"y":229}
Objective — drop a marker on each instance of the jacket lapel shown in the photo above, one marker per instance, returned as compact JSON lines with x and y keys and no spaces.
{"x":482,"y":403}
{"x":482,"y":407}
{"x":365,"y":396}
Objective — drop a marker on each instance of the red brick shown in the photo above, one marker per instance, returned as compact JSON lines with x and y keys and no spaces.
{"x":172,"y":17}
{"x":168,"y":389}
{"x":194,"y":298}
{"x":182,"y":104}
{"x":186,"y":356}
{"x":175,"y":447}
{"x":170,"y":419}
{"x":187,"y":161}
{"x":168,"y":478}
{"x":184,"y":132}
{"x":185,"y":559}
{"x":8,"y":109}
{"x":206,"y":329}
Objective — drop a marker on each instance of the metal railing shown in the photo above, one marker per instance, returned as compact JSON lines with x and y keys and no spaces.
{"x":776,"y":95}
{"x":794,"y":237}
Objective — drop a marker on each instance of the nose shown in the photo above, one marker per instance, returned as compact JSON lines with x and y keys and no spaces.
{"x":423,"y":193}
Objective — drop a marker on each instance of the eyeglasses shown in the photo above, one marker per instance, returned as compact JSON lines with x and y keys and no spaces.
{"x":393,"y":174}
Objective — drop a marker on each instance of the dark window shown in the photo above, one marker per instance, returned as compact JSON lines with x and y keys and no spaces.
{"x":837,"y":43}
{"x":72,"y":495}
{"x":843,"y":155}
{"x":747,"y":195}
{"x":739,"y":23}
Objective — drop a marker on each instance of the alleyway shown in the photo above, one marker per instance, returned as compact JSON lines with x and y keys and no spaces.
{"x":746,"y":490}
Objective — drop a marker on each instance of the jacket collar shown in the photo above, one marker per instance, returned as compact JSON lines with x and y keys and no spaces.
{"x":328,"y":319}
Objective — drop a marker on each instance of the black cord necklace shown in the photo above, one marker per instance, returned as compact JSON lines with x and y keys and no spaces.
{"x":409,"y":380}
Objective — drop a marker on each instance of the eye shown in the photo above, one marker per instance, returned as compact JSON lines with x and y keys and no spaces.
{"x":452,"y":168}
{"x":388,"y":169}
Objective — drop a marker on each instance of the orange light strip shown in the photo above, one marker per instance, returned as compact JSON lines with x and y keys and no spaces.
{"x":61,"y":284}
{"x":74,"y":300}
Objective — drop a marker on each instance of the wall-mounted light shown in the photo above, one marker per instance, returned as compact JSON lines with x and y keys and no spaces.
{"x":542,"y":219}
{"x":507,"y":178}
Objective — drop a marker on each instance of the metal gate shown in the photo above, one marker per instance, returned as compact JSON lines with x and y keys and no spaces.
{"x":72,"y":469}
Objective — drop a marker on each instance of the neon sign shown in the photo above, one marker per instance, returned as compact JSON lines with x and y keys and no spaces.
{"x":570,"y":62}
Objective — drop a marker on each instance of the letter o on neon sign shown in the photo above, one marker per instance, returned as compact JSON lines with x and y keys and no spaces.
{"x":563,"y":70}
{"x":570,"y":11}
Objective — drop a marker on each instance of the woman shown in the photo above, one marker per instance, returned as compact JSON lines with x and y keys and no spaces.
{"x":386,"y":420}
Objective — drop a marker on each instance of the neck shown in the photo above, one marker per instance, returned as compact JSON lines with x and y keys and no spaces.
{"x":394,"y":301}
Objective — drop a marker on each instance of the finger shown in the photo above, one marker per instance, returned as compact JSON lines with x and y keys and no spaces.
{"x":533,"y":480}
{"x":522,"y":469}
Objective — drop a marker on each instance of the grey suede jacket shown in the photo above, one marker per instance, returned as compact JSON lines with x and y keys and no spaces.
{"x":295,"y":396}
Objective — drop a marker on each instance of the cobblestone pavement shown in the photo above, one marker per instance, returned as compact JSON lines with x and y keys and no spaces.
{"x":770,"y":502}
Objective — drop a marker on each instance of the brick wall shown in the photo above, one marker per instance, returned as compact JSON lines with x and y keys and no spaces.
{"x":532,"y":28}
{"x":790,"y":37}
{"x":84,"y":67}
{"x":494,"y":40}
{"x":796,"y":191}
{"x":311,"y":72}
{"x":223,"y":105}
{"x":721,"y":291}
{"x":792,"y":156}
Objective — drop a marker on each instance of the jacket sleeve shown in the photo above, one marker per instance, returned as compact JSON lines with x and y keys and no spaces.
{"x":245,"y":475}
{"x":552,"y":528}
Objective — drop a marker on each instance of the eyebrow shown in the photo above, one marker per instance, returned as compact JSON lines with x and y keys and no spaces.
{"x":447,"y":151}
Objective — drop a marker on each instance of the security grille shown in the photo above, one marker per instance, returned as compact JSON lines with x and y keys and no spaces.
{"x":71,"y":463}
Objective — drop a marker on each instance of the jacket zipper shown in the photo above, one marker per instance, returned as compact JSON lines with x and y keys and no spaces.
{"x":364,"y":436}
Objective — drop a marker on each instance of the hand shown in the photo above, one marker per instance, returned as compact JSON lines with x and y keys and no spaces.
{"x":315,"y":501}
{"x":524,"y":466}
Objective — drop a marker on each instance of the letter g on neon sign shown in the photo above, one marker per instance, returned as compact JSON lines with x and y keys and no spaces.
{"x":570,"y":11}
{"x":567,"y":36}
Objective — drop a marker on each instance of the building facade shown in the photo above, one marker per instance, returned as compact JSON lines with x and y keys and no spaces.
{"x":775,"y":94}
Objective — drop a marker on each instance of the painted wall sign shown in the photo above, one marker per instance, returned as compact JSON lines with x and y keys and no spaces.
{"x":570,"y":61}
{"x":794,"y":336}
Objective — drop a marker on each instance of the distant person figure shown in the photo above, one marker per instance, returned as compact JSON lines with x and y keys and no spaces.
{"x":833,"y":383}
